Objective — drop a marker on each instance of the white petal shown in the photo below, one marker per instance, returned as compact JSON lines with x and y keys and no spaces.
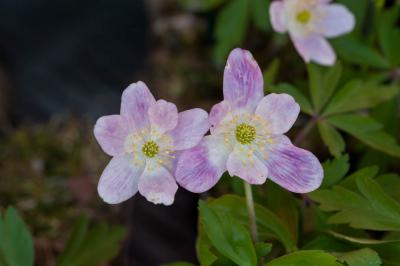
{"x":315,"y":48}
{"x":335,"y":21}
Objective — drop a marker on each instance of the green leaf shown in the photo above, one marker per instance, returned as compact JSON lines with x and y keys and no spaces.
{"x":260,"y":14}
{"x":350,"y":181}
{"x":203,"y":248}
{"x":331,"y":138}
{"x":270,"y":74}
{"x":263,"y":249}
{"x":306,"y":257}
{"x":231,"y":25}
{"x":391,"y":184}
{"x":374,"y":209}
{"x":304,"y":103}
{"x":328,"y":244}
{"x":91,"y":247}
{"x":380,"y":141}
{"x":16,"y":244}
{"x":322,"y":83}
{"x":357,"y":95}
{"x":361,"y":257}
{"x":335,"y":170}
{"x":354,"y":123}
{"x":268,"y":224}
{"x":357,"y":52}
{"x":389,"y":34}
{"x":362,"y":241}
{"x":228,"y":236}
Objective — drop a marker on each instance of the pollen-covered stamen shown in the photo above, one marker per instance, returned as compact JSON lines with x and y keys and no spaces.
{"x":150,"y":149}
{"x":304,"y":16}
{"x":245,"y":134}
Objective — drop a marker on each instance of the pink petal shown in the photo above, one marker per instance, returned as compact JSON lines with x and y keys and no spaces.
{"x":276,"y":13}
{"x":337,"y":20}
{"x":295,"y":169}
{"x":199,"y":168}
{"x":280,"y":111}
{"x":119,"y":180}
{"x":111,"y":132}
{"x":217,"y":114}
{"x":163,"y":116}
{"x":315,"y":48}
{"x":192,"y":125}
{"x":247,"y":166}
{"x":158,"y":186}
{"x":243,"y":81}
{"x":135,"y":102}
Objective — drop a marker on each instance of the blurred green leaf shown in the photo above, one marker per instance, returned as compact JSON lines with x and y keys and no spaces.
{"x":328,"y":244}
{"x":361,"y":257}
{"x":373,"y":209}
{"x":16,"y":244}
{"x":262,"y":249}
{"x":389,"y":34}
{"x":306,"y":257}
{"x":358,"y":52}
{"x":203,"y":248}
{"x":350,"y":181}
{"x":268,"y":224}
{"x":304,"y":103}
{"x":260,"y":14}
{"x":91,"y":247}
{"x":231,"y":25}
{"x":357,"y":95}
{"x":228,"y":236}
{"x":335,"y":170}
{"x":354,"y":123}
{"x":391,"y":184}
{"x":331,"y":138}
{"x":270,"y":74}
{"x":322,"y":83}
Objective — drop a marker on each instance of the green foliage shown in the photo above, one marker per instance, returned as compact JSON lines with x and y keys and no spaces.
{"x":302,"y":258}
{"x":91,"y":246}
{"x":369,"y":208}
{"x":16,"y":244}
{"x":228,"y":236}
{"x":361,"y":257}
{"x":335,"y":170}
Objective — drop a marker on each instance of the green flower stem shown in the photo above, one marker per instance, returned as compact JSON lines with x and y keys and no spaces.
{"x":251,"y":211}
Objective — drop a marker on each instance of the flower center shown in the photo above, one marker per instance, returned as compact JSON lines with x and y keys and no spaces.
{"x":150,"y":149}
{"x":304,"y":16}
{"x":245,"y":133}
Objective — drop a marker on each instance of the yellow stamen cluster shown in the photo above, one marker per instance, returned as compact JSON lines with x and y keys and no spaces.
{"x":245,"y":134}
{"x":304,"y":16}
{"x":150,"y":149}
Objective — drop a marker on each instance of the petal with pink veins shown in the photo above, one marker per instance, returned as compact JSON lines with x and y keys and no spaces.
{"x":163,"y":116}
{"x":218,"y":113}
{"x":336,"y":20}
{"x":199,"y":168}
{"x":279,"y":111}
{"x":119,"y":180}
{"x":315,"y":48}
{"x":243,"y":80}
{"x":158,"y":186}
{"x":191,"y":127}
{"x":247,"y":166}
{"x":135,"y":103}
{"x":111,"y":132}
{"x":276,"y":13}
{"x":293,"y":168}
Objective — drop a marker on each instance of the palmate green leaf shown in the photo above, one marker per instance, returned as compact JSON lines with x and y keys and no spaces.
{"x":231,"y":25}
{"x":16,"y":244}
{"x":357,"y":95}
{"x":91,"y":247}
{"x":373,"y":209}
{"x":261,"y":14}
{"x":322,"y":83}
{"x":335,"y":170}
{"x":304,"y":103}
{"x":368,"y":131}
{"x":228,"y":236}
{"x":305,"y":258}
{"x":361,"y":257}
{"x":357,"y":52}
{"x":331,"y":138}
{"x":268,"y":224}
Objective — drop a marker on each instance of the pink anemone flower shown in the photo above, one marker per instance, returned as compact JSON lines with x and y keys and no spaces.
{"x":309,"y":22}
{"x":247,"y":137}
{"x":143,"y":140}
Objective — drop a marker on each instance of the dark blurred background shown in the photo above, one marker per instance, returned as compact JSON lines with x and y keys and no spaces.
{"x":62,"y":65}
